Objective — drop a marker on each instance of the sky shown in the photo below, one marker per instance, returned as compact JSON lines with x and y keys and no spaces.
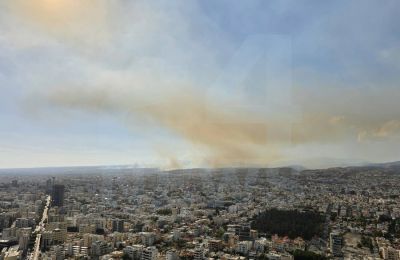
{"x":181,"y":84}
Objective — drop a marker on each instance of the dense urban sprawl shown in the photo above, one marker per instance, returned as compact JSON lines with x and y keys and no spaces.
{"x":235,"y":213}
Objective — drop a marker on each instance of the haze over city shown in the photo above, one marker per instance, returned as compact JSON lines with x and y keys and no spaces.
{"x":199,"y":130}
{"x":180,"y":84}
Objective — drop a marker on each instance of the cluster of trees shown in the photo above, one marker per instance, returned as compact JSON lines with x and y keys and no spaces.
{"x":366,"y":242}
{"x":299,"y":255}
{"x":384,"y":218}
{"x":166,"y":211}
{"x":291,"y":223}
{"x":394,"y":228}
{"x":307,"y":255}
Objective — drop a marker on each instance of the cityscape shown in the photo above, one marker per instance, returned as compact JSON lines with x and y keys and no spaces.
{"x":199,"y":130}
{"x":225,"y":213}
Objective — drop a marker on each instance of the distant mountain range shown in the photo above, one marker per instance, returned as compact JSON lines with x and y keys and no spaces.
{"x":389,"y":165}
{"x":112,"y":169}
{"x":129,"y":169}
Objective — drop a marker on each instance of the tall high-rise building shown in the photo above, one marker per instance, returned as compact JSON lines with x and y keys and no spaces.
{"x":134,"y":251}
{"x":49,"y":186}
{"x":150,"y":253}
{"x":118,"y":225}
{"x":244,"y":231}
{"x":199,"y":252}
{"x":24,"y":238}
{"x":58,"y":252}
{"x":58,"y":195}
{"x":336,"y":243}
{"x":171,"y":255}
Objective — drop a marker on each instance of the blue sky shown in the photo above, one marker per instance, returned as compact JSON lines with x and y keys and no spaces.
{"x":198,"y":83}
